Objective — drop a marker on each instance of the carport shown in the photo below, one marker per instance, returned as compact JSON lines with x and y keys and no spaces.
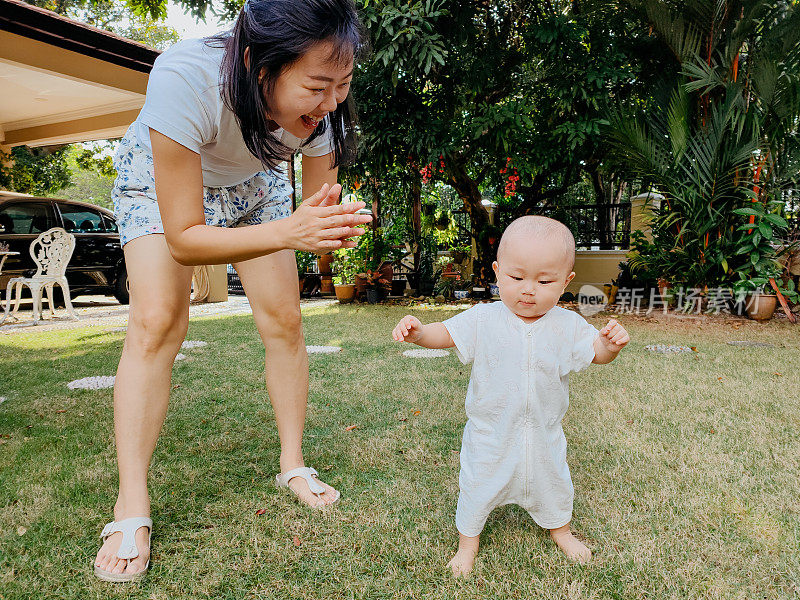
{"x":63,"y":81}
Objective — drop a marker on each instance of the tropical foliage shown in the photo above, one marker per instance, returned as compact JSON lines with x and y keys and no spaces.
{"x":719,"y":138}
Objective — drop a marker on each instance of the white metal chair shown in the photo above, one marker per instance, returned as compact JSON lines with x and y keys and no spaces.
{"x":51,"y":251}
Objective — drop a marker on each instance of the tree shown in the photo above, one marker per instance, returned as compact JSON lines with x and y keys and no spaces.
{"x":92,"y":174}
{"x":38,"y":171}
{"x":721,"y":139}
{"x":502,"y":99}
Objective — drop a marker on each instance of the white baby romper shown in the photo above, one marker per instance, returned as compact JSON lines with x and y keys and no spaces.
{"x":514,"y":450}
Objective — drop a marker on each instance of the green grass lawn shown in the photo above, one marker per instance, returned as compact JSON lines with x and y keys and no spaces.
{"x":686,"y":470}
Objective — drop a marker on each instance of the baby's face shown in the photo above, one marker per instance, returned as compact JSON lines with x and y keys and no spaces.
{"x":531,"y":276}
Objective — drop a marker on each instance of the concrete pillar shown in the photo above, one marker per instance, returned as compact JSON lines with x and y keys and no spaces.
{"x":641,"y":207}
{"x":217,"y":283}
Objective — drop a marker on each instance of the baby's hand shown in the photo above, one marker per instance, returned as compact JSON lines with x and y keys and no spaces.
{"x":409,"y":329}
{"x":614,"y":336}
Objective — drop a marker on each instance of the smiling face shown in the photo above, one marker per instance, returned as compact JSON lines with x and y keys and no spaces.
{"x":532,"y":273}
{"x":309,"y":89}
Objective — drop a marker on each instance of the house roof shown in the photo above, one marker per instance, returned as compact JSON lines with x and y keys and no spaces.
{"x":64,"y":81}
{"x":54,"y":29}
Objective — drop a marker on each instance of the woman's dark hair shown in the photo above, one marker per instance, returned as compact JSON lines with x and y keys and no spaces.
{"x":278,"y":33}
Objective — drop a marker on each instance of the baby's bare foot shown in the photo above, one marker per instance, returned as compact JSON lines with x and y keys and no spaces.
{"x":462,"y":563}
{"x":570,"y":545}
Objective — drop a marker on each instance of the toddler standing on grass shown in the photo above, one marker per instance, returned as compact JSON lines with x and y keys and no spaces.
{"x":523,"y":350}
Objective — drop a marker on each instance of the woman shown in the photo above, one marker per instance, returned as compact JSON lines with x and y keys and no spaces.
{"x":199,"y":182}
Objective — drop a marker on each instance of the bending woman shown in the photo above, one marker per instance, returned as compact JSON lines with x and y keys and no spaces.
{"x":200,"y":182}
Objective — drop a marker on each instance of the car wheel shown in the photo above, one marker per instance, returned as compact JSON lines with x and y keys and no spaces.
{"x":122,"y":287}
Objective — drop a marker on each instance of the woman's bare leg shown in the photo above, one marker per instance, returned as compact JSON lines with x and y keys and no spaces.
{"x":157,"y":323}
{"x":270,"y":283}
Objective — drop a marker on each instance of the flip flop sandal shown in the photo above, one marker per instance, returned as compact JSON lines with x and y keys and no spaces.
{"x":127,"y":549}
{"x":307,"y":473}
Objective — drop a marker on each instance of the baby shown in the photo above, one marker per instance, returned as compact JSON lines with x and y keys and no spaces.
{"x":523,"y":350}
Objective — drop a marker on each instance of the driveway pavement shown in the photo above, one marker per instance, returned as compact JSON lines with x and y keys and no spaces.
{"x":106,"y":311}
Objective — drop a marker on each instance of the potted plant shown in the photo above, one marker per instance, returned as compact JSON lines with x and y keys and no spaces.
{"x":462,"y":285}
{"x":442,"y":220}
{"x":757,"y":297}
{"x":460,"y":252}
{"x":345,"y":267}
{"x":374,"y":281}
{"x":324,"y":266}
{"x":304,"y":261}
{"x":445,"y":287}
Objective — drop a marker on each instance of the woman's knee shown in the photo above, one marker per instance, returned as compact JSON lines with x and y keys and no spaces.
{"x":283,"y":323}
{"x":155,"y":328}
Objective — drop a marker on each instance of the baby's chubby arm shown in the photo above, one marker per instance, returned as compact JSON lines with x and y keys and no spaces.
{"x":611,"y":339}
{"x":432,"y":335}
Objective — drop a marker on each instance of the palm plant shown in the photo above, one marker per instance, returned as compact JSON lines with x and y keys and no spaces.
{"x":723,"y":137}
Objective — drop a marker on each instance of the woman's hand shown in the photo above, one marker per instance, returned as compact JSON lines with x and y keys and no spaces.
{"x":320,"y":224}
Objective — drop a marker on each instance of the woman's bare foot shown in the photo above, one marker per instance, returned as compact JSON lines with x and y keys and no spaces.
{"x":461,"y":564}
{"x":107,"y":555}
{"x":299,"y":485}
{"x":571,"y":546}
{"x":300,"y":488}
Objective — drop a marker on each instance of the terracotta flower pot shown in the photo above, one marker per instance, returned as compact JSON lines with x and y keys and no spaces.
{"x":326,"y":286}
{"x":761,"y":307}
{"x":324,"y":263}
{"x":345,"y":292}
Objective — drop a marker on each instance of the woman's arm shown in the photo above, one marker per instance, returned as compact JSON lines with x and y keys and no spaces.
{"x":317,"y":172}
{"x":318,"y":225}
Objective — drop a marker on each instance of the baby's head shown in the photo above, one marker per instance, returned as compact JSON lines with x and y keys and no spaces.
{"x":534,"y":265}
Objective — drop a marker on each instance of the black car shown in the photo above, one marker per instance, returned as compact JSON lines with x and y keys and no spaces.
{"x":97,"y":265}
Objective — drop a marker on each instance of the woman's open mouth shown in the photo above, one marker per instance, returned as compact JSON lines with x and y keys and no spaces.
{"x":310,"y":122}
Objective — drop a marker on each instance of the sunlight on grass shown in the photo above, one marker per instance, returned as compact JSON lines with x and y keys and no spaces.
{"x":686,"y":469}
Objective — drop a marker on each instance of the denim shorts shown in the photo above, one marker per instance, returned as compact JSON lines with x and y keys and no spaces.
{"x":266,"y":196}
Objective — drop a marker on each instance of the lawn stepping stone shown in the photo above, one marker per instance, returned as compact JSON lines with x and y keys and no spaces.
{"x":667,"y":349}
{"x":3,"y":399}
{"x":189,"y":344}
{"x":323,"y":349}
{"x":102,"y":381}
{"x":426,"y":353}
{"x":92,"y":383}
{"x":750,"y":344}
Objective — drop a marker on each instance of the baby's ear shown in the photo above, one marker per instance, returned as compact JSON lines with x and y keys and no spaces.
{"x":570,"y":277}
{"x":496,"y":268}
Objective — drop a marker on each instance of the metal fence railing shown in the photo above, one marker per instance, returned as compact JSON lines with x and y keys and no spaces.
{"x":595,"y":226}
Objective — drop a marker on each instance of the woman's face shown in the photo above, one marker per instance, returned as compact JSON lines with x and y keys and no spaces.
{"x":308,"y":90}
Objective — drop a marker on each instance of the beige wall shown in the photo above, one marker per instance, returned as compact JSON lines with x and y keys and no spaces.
{"x":596,"y":267}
